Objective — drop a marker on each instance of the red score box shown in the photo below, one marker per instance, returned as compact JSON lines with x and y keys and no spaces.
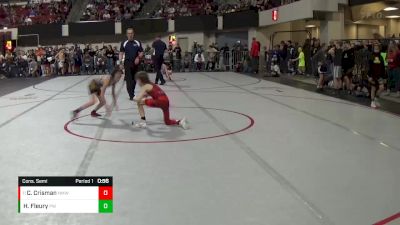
{"x":105,"y":193}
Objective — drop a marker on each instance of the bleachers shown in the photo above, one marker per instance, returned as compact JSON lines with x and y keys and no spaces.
{"x":56,"y":11}
{"x":34,"y":13}
{"x":174,"y":8}
{"x":111,"y":9}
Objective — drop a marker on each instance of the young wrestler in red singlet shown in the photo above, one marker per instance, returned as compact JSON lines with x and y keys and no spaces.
{"x":158,"y":100}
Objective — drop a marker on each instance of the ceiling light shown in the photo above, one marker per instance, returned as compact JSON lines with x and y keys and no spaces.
{"x":393,"y":17}
{"x":390,"y":9}
{"x":310,"y":26}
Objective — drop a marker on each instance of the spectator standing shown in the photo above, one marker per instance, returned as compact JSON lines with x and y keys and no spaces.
{"x":348,"y":61}
{"x":171,"y":52}
{"x":60,"y":58}
{"x":394,"y":69}
{"x":101,"y":62}
{"x":33,"y":68}
{"x":275,"y":61}
{"x":3,"y":73}
{"x":91,"y":51}
{"x":186,"y":61}
{"x":337,"y":66}
{"x":314,"y":61}
{"x":323,"y":66}
{"x":284,"y":57}
{"x":178,"y":51}
{"x":211,"y":59}
{"x":376,"y":76}
{"x":255,"y":54}
{"x":40,"y":54}
{"x":319,"y":57}
{"x":225,"y":54}
{"x":46,"y":61}
{"x":178,"y":55}
{"x":116,"y":54}
{"x":87,"y":63}
{"x":199,"y":60}
{"x":110,"y":59}
{"x":23,"y":65}
{"x":159,"y":49}
{"x":78,"y":56}
{"x":365,"y":54}
{"x":301,"y":61}
{"x":196,"y":47}
{"x":307,"y":56}
{"x":71,"y":61}
{"x":292,"y":67}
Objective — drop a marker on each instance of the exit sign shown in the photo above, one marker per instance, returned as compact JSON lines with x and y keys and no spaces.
{"x":275,"y":15}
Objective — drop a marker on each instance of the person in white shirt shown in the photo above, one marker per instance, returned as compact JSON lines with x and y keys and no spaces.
{"x":199,"y":60}
{"x":106,"y":16}
{"x":28,"y":21}
{"x":116,"y":8}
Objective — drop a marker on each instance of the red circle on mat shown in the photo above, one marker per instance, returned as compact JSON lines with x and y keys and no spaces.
{"x":250,"y":124}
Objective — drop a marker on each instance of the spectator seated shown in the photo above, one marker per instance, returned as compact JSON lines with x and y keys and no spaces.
{"x":115,"y":10}
{"x":174,"y":8}
{"x":34,"y":12}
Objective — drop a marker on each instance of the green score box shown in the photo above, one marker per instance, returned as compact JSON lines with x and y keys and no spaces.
{"x":105,"y":206}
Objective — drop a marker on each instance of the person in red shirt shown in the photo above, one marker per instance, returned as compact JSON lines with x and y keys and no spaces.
{"x":255,"y":54}
{"x":393,"y":60}
{"x":40,"y":53}
{"x":158,"y":99}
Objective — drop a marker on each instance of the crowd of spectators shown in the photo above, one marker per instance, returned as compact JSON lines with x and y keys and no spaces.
{"x":115,"y":10}
{"x":46,"y":12}
{"x":201,"y":58}
{"x":175,"y":8}
{"x":49,"y":61}
{"x":34,"y":12}
{"x":127,"y":9}
{"x":360,"y":68}
{"x":86,"y":59}
{"x":364,"y":69}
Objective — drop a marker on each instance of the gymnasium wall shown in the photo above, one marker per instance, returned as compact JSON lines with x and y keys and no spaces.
{"x":350,"y":31}
{"x":393,"y":27}
{"x":204,"y":23}
{"x":244,"y":19}
{"x":232,"y":37}
{"x":360,"y":2}
{"x":46,"y":32}
{"x":146,"y":26}
{"x":366,"y":31}
{"x":91,"y":28}
{"x":203,"y":29}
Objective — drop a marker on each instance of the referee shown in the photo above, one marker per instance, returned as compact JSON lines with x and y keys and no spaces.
{"x":130,"y":53}
{"x":159,"y":49}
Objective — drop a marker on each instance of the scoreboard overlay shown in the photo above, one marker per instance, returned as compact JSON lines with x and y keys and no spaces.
{"x":65,"y":194}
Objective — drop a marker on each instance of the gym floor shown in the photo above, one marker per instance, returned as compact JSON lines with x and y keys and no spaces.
{"x":258,"y":153}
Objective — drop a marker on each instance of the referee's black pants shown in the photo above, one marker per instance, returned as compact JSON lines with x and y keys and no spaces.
{"x":158,"y":61}
{"x":130,"y":70}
